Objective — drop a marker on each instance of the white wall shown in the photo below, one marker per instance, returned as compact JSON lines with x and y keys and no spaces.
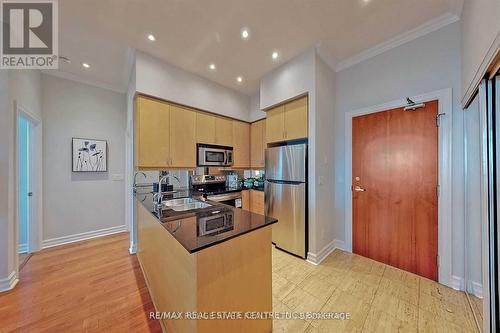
{"x":474,"y":276}
{"x":480,"y":31}
{"x":160,"y":79}
{"x":22,"y":87}
{"x":294,"y":78}
{"x":6,"y":157}
{"x":129,"y":160}
{"x":81,"y":202}
{"x":324,"y":155}
{"x":255,"y":111}
{"x":307,"y":73}
{"x":426,"y":64}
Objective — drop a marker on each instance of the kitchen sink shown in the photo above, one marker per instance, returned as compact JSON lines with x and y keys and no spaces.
{"x":183,"y":204}
{"x":189,"y":206}
{"x":179,"y":202}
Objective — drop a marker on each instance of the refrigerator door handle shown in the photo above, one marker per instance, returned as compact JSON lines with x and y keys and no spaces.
{"x":287,"y":182}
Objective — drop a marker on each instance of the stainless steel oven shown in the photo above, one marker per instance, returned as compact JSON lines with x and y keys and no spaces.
{"x":211,"y":155}
{"x":231,"y":198}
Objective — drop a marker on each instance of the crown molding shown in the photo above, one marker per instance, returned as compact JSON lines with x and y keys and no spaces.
{"x":73,"y":77}
{"x":422,"y":30}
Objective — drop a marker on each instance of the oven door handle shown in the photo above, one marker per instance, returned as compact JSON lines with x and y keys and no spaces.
{"x":224,"y":197}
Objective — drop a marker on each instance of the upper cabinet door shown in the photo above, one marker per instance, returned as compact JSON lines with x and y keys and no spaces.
{"x":205,"y":128}
{"x":241,"y":144}
{"x":257,"y":139}
{"x":182,"y":137}
{"x":296,"y":119}
{"x":275,"y":124}
{"x":153,"y":126}
{"x":223,"y":131}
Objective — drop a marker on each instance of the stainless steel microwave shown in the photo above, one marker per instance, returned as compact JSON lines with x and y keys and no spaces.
{"x":211,"y":155}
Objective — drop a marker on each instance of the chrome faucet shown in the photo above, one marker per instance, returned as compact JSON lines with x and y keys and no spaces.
{"x":158,"y":196}
{"x":135,"y":179}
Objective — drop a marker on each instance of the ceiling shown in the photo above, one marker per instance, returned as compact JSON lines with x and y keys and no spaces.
{"x":191,"y":34}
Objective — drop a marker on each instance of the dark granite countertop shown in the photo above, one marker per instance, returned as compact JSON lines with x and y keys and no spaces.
{"x":261,"y":189}
{"x":202,"y":228}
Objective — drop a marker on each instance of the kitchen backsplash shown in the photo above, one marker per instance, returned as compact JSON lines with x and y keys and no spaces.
{"x":183,"y":175}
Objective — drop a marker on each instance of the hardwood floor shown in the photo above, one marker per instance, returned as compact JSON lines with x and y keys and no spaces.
{"x":96,"y":286}
{"x":477,"y":307}
{"x":91,"y":286}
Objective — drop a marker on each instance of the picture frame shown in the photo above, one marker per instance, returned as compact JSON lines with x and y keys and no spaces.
{"x":89,"y":155}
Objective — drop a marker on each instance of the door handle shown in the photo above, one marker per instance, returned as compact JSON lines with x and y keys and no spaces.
{"x":359,"y":189}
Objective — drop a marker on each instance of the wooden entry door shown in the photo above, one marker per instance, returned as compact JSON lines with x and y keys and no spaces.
{"x":395,"y":198}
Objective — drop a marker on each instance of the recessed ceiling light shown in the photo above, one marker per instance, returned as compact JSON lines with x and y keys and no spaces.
{"x":239,"y":79}
{"x":212,"y":67}
{"x":245,"y":33}
{"x":151,"y":37}
{"x":275,"y":55}
{"x":84,"y":64}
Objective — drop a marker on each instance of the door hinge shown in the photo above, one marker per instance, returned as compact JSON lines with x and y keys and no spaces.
{"x":438,"y":119}
{"x":437,"y":260}
{"x":438,"y":190}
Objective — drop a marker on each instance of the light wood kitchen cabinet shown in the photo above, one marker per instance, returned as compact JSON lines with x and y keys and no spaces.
{"x":257,"y":143}
{"x":166,"y":136}
{"x":234,"y":275}
{"x":287,"y":121}
{"x":241,"y":144}
{"x":212,"y":129}
{"x":205,"y":128}
{"x":275,"y":124}
{"x":257,"y":202}
{"x":296,"y":119}
{"x":182,"y":137}
{"x":152,"y":133}
{"x":253,"y":201}
{"x":245,"y":200}
{"x":223,"y":131}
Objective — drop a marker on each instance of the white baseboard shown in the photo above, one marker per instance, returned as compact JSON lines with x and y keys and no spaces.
{"x":475,"y":288}
{"x":457,"y":283}
{"x":9,"y":282}
{"x":132,"y":249}
{"x":316,"y":259}
{"x":83,"y":236}
{"x":22,"y":248}
{"x":339,"y":244}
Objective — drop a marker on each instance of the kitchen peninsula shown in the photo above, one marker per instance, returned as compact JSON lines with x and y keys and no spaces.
{"x":212,"y":258}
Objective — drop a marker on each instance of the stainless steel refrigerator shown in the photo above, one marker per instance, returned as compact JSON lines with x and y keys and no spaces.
{"x":286,"y":196}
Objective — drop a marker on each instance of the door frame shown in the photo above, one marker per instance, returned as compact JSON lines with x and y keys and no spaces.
{"x":445,"y":106}
{"x":35,"y":210}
